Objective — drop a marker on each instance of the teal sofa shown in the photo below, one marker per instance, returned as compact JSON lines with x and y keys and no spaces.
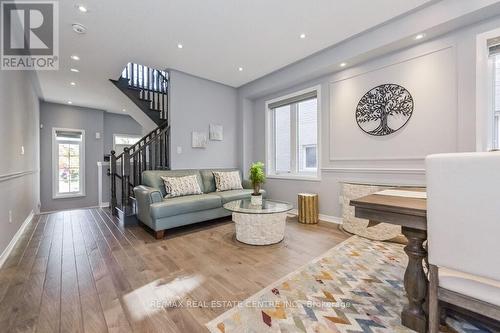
{"x":160,"y":214}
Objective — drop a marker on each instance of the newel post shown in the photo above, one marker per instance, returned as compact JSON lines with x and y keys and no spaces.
{"x":112,"y":171}
{"x":125,"y":177}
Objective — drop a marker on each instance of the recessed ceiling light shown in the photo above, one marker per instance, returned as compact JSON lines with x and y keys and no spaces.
{"x":70,"y":102}
{"x":419,"y":36}
{"x":124,"y":110}
{"x":73,"y":83}
{"x":74,"y":70}
{"x":82,"y":8}
{"x":240,"y":69}
{"x":343,"y":64}
{"x":302,"y":36}
{"x":180,"y":46}
{"x":75,"y":57}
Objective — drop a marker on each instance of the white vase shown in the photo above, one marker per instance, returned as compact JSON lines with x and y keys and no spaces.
{"x":256,"y":200}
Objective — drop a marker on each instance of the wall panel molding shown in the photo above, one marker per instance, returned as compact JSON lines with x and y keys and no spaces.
{"x":405,"y":171}
{"x":13,"y":175}
{"x":416,"y":71}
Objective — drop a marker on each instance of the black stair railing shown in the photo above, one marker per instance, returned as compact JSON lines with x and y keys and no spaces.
{"x":152,"y":152}
{"x":152,"y":85}
{"x":148,"y":88}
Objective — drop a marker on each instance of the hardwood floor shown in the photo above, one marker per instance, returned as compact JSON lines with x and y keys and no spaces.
{"x":81,"y":271}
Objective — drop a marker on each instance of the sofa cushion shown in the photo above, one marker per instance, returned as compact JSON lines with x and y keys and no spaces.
{"x":478,"y":287}
{"x":207,"y":176}
{"x":183,"y":205}
{"x":152,"y":178}
{"x":232,"y":195}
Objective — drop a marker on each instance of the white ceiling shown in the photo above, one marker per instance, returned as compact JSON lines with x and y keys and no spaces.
{"x":218,"y":37}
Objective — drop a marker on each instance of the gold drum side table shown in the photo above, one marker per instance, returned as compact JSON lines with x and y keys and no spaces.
{"x":308,"y":208}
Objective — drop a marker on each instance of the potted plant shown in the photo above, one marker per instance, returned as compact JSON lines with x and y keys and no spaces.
{"x":257,"y":177}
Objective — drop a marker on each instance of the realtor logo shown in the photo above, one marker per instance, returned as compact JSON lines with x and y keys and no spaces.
{"x":29,"y":35}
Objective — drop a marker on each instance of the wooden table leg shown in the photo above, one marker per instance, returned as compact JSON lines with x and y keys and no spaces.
{"x":415,"y":281}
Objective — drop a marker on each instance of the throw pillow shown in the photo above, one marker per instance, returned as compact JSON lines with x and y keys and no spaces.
{"x":227,"y":180}
{"x":180,"y":186}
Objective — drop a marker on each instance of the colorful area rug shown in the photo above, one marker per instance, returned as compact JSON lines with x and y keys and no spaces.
{"x":354,"y":287}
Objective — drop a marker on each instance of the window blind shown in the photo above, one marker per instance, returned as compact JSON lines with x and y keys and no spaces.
{"x":68,"y":135}
{"x":494,"y":46}
{"x":294,"y":99}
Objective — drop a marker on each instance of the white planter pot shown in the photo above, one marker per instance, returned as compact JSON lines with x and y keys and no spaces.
{"x":256,"y":200}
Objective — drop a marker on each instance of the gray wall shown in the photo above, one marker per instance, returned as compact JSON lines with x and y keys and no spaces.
{"x":195,"y":103}
{"x":19,"y":109}
{"x":118,"y":124}
{"x":92,"y":121}
{"x":252,"y":108}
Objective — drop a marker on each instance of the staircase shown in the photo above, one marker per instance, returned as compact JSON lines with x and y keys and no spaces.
{"x":148,"y":89}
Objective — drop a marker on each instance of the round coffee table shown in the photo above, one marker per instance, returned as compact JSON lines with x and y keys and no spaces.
{"x":259,"y":225}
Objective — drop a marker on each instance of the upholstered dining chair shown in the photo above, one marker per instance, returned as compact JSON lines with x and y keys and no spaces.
{"x":463,"y":217}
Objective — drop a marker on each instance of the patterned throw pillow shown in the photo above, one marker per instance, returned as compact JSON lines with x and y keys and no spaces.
{"x":180,"y":186}
{"x":227,"y":180}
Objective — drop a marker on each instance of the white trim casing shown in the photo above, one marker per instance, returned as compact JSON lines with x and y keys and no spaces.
{"x":269,"y":138}
{"x":5,"y":254}
{"x":99,"y":184}
{"x":55,"y":161}
{"x":484,"y":91}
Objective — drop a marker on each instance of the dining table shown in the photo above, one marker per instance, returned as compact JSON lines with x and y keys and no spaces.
{"x":406,"y":207}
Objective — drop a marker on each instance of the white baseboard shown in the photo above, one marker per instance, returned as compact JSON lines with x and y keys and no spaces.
{"x":10,"y":247}
{"x":104,"y":205}
{"x":322,"y":217}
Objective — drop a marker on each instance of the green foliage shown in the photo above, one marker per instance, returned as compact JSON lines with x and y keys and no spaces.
{"x":257,"y":175}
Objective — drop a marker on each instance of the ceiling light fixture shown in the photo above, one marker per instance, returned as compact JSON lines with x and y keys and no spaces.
{"x":75,"y":57}
{"x":70,"y":102}
{"x":180,"y":46}
{"x":73,"y":83}
{"x":74,"y":70}
{"x":419,"y":36}
{"x":79,"y":28}
{"x":343,"y":64}
{"x":240,"y":69}
{"x":302,"y":36}
{"x":82,"y":8}
{"x":124,"y":110}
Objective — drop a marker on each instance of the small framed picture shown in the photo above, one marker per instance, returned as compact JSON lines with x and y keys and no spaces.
{"x":216,"y":132}
{"x":199,"y":139}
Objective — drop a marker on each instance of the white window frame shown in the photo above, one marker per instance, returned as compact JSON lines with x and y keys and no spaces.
{"x":494,"y":113}
{"x":55,"y":165}
{"x":127,"y":135}
{"x":270,"y":141}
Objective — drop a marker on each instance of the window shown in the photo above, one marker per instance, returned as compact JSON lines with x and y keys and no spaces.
{"x":68,"y":149}
{"x":496,"y":103}
{"x":121,"y":141}
{"x":309,"y":157}
{"x":292,"y":135}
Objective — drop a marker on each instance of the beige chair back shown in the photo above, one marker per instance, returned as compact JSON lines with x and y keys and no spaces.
{"x":463,"y":212}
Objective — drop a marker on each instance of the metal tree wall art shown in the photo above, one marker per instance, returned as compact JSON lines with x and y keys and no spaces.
{"x":384,"y":109}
